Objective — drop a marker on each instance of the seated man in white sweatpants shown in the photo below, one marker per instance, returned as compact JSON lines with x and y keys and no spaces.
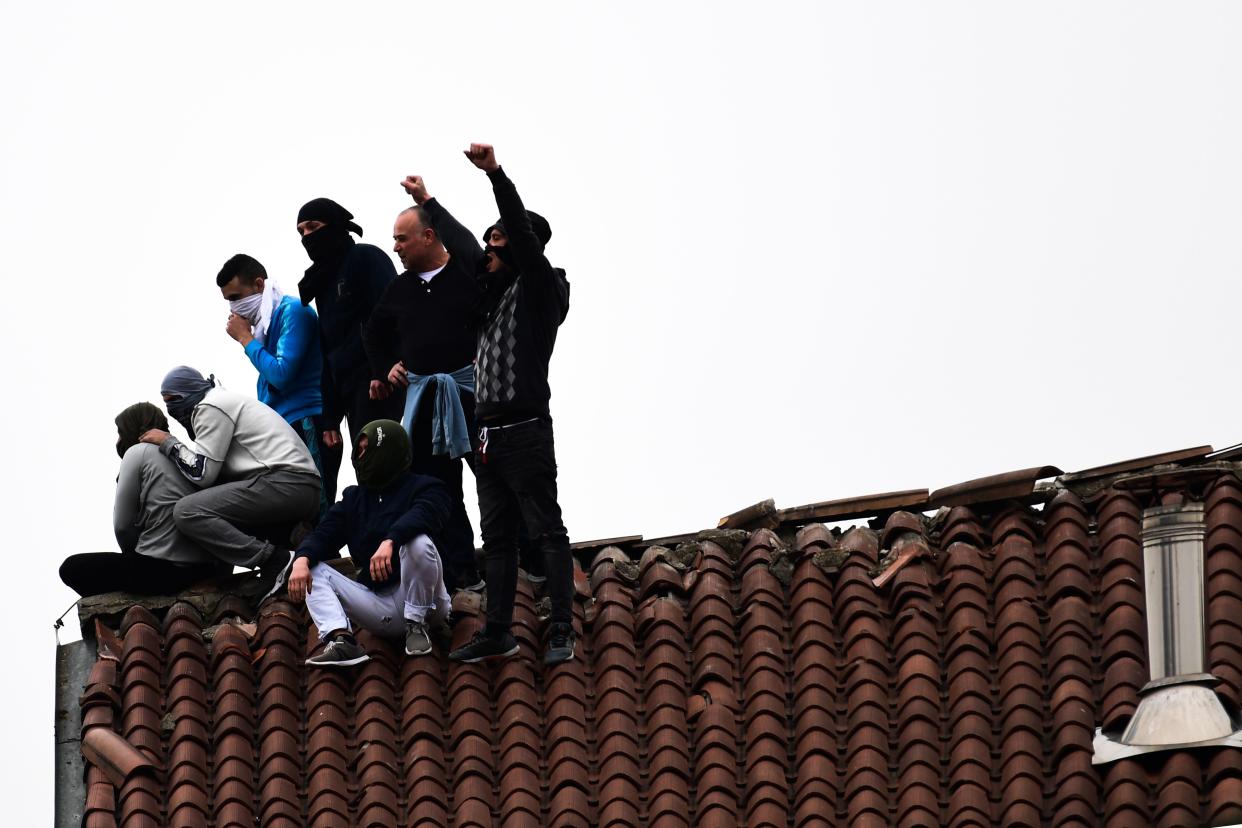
{"x":388,"y":522}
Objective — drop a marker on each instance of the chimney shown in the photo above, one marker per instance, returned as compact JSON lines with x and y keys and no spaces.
{"x":1177,"y":708}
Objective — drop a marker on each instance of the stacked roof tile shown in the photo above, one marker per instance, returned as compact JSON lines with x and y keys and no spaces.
{"x":741,"y":679}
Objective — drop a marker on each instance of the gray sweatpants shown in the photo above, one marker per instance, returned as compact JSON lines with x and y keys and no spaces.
{"x":336,"y":600}
{"x":212,"y":517}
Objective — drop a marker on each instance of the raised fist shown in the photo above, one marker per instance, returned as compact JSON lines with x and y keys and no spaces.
{"x":483,"y":156}
{"x":414,"y":185}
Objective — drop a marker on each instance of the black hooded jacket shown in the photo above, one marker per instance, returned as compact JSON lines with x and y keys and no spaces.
{"x":522,"y":309}
{"x":345,"y":289}
{"x":412,"y":505}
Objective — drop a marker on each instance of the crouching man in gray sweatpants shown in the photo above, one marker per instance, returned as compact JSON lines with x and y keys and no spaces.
{"x":388,"y":522}
{"x":252,"y":470}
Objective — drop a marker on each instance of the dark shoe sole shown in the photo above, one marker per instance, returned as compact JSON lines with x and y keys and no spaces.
{"x":418,"y":652}
{"x":350,"y":663}
{"x":278,"y":583}
{"x":491,"y":657}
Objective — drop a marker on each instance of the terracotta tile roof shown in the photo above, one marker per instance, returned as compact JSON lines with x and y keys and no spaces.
{"x":742,"y":679}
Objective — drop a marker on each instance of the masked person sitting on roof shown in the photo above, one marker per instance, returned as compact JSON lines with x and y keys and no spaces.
{"x":280,"y":337}
{"x":388,"y":521}
{"x":251,"y":470}
{"x":155,"y":558}
{"x":344,"y":281}
{"x":525,"y":300}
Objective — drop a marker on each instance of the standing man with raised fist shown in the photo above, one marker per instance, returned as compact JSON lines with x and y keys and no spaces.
{"x":525,"y":301}
{"x":345,"y":281}
{"x":421,"y":340}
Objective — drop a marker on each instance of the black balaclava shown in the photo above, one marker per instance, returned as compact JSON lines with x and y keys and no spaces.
{"x":328,"y":242}
{"x":386,"y":457}
{"x":134,"y":421}
{"x":543,"y":231}
{"x":187,"y":387}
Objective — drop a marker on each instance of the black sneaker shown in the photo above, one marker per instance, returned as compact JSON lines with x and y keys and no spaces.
{"x":560,"y":645}
{"x":274,"y":572}
{"x":340,"y":652}
{"x":484,"y":647}
{"x":417,"y":641}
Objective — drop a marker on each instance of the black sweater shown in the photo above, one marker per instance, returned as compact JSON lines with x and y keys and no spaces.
{"x":430,"y":326}
{"x":413,"y":505}
{"x":345,"y":291}
{"x":522,"y":311}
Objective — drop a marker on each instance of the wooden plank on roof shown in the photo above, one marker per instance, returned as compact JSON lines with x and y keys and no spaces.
{"x":1137,"y":463}
{"x":852,"y":507}
{"x":668,"y":540}
{"x":623,"y":540}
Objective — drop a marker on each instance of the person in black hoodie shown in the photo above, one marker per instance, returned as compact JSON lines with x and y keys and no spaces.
{"x":525,"y":299}
{"x":389,"y":521}
{"x":421,"y":339}
{"x":345,"y":280}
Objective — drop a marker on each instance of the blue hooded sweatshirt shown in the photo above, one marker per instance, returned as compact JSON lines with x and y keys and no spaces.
{"x":290,"y":362}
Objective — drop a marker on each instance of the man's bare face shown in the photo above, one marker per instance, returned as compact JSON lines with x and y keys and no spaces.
{"x":305,"y":228}
{"x":411,"y":241}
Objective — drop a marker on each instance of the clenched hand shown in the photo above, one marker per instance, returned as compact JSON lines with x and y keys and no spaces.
{"x":416,"y":187}
{"x":483,"y":156}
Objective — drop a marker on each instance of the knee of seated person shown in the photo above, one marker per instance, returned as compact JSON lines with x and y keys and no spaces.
{"x":320,"y":570}
{"x":68,"y":568}
{"x":184,"y":513}
{"x":421,"y":545}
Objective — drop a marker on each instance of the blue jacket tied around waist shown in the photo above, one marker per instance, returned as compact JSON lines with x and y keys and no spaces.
{"x":449,"y":434}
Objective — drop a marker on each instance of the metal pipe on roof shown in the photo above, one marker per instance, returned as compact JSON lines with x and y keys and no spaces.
{"x":1177,"y":707}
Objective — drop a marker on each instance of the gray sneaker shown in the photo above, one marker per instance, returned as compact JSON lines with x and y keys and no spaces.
{"x":340,"y":652}
{"x":417,"y":641}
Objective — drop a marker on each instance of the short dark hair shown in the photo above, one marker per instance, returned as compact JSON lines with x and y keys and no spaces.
{"x":247,"y":267}
{"x":424,"y":217}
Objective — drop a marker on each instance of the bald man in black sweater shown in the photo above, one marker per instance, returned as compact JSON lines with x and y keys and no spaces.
{"x":421,"y":337}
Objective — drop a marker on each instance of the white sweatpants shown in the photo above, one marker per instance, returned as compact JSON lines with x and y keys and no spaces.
{"x":336,"y":600}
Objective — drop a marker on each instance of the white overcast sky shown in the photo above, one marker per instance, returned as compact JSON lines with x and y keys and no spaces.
{"x":817,"y":249}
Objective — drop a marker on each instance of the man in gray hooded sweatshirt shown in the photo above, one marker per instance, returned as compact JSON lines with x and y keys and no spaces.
{"x":251,"y":467}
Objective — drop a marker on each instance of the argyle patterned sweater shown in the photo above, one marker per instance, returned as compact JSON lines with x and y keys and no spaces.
{"x":522,"y":314}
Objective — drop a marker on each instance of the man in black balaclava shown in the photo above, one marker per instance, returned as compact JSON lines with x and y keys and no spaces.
{"x":390,"y":521}
{"x":525,"y":300}
{"x":345,"y":280}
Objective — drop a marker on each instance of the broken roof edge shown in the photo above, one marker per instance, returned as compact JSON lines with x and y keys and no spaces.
{"x":1036,"y":484}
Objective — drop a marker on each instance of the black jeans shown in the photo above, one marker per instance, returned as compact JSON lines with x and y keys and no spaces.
{"x":94,"y":573}
{"x":516,"y":477}
{"x":359,"y":410}
{"x":457,"y":541}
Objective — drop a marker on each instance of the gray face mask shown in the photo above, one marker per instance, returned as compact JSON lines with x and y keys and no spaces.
{"x":248,"y":308}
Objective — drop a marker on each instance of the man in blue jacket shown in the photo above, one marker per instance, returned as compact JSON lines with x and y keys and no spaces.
{"x":388,"y":521}
{"x":280,"y":336}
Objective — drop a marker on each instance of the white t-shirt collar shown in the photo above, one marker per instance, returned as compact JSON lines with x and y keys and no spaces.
{"x":431,"y":274}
